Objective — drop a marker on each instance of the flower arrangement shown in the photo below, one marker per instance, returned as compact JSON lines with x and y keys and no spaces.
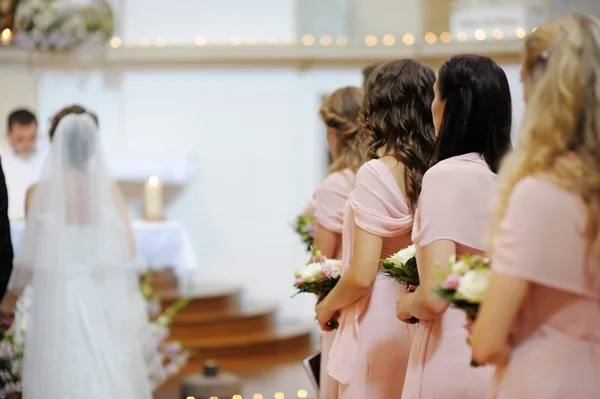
{"x":305,"y":225}
{"x":11,"y":359}
{"x":402,"y":266}
{"x":173,"y":355}
{"x":464,"y":284}
{"x":59,"y":26}
{"x":319,"y":277}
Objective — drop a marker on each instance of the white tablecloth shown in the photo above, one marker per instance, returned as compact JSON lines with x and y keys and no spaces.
{"x":159,"y":245}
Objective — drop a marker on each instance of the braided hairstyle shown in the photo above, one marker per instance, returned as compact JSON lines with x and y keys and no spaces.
{"x":396,"y":119}
{"x":340,"y":112}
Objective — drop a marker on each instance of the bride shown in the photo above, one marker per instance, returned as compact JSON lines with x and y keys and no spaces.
{"x":88,"y":335}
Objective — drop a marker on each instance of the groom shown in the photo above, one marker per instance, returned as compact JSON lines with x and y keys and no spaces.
{"x":6,"y":248}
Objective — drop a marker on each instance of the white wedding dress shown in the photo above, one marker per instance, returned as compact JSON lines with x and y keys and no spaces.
{"x":87,"y":335}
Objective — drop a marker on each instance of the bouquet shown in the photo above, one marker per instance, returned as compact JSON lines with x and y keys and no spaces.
{"x":60,"y":26}
{"x":11,"y":358}
{"x":402,"y":266}
{"x":464,"y":284}
{"x":318,"y":277}
{"x":172,"y":353}
{"x":305,"y":226}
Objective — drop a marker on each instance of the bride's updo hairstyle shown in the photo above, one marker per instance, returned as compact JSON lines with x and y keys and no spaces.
{"x":78,"y":146}
{"x":396,"y":119}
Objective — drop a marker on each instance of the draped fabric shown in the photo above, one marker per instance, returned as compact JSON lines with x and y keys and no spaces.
{"x":361,"y":357}
{"x":541,"y":240}
{"x":455,"y":204}
{"x":330,"y":198}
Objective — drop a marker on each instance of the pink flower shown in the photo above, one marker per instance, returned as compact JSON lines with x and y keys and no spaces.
{"x":327,"y":270}
{"x":451,"y":282}
{"x":298,"y":282}
{"x":310,"y":229}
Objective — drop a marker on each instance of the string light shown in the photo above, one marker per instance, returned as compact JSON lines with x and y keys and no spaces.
{"x":200,"y":41}
{"x":342,"y":41}
{"x":446,"y":37}
{"x":235,"y":40}
{"x":279,"y":395}
{"x":257,"y":396}
{"x":145,"y":42}
{"x":408,"y":39}
{"x":302,"y":394}
{"x":308,"y":40}
{"x":498,"y":34}
{"x":520,"y":33}
{"x":389,"y":40}
{"x":160,"y":41}
{"x":430,"y":37}
{"x":115,"y":42}
{"x":236,"y":397}
{"x":462,"y":36}
{"x":480,"y":34}
{"x":326,"y":40}
{"x":371,"y":40}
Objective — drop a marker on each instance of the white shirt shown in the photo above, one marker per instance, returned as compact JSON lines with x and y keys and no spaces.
{"x":20,"y":174}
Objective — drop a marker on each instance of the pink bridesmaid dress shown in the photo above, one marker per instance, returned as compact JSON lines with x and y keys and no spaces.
{"x":329,"y":200}
{"x":556,"y":339}
{"x":370,"y":350}
{"x":454,"y":205}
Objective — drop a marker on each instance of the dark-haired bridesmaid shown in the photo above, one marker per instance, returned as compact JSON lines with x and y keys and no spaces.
{"x":472,"y":116}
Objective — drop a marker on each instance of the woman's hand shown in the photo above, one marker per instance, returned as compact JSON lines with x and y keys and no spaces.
{"x":469,"y":326}
{"x":7,"y":307}
{"x":401,"y":312}
{"x":325,"y":315}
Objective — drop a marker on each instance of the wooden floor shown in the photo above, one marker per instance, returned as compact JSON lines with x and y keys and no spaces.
{"x":266,"y":381}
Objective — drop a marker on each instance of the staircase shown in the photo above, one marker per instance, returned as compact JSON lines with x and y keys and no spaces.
{"x":244,"y":339}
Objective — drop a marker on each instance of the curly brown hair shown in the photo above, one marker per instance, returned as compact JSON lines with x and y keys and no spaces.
{"x":396,"y":119}
{"x":72,"y":109}
{"x":340,"y":111}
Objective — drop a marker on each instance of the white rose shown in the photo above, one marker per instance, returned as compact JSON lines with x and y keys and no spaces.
{"x":335,"y":267}
{"x":311,"y":273}
{"x":460,"y":267}
{"x":404,"y":255}
{"x":473,"y":284}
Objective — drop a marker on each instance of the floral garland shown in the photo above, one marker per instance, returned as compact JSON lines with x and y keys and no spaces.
{"x":57,"y":25}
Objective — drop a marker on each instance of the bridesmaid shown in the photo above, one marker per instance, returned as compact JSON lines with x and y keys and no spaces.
{"x":371,"y":348}
{"x":541,"y":315}
{"x":472,"y":117}
{"x":339,"y":112}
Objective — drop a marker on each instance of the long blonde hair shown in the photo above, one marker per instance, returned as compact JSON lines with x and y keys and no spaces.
{"x":562,"y":64}
{"x":340,"y":112}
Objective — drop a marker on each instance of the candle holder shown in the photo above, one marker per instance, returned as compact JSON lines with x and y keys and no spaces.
{"x":153,"y":199}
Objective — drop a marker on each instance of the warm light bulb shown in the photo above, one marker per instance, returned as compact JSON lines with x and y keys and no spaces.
{"x":308,"y":40}
{"x":520,"y":33}
{"x":498,"y":34}
{"x":257,"y":396}
{"x":342,"y":41}
{"x":190,"y":397}
{"x":6,"y":35}
{"x":236,"y":397}
{"x":371,"y":40}
{"x":153,"y":181}
{"x":408,"y":39}
{"x":160,"y":41}
{"x":480,"y":34}
{"x":446,"y":37}
{"x":302,"y":394}
{"x":430,"y":37}
{"x":462,"y":36}
{"x":200,"y":41}
{"x":279,"y":395}
{"x":145,"y":42}
{"x":389,"y":40}
{"x":115,"y":42}
{"x":326,"y":40}
{"x":235,"y":40}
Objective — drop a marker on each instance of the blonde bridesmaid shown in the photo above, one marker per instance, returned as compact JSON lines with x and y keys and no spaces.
{"x":472,"y":117}
{"x":339,"y":112}
{"x":541,"y":315}
{"x":371,"y":348}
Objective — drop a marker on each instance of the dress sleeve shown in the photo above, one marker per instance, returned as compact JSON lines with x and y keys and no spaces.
{"x":455,"y":204}
{"x":379,"y":206}
{"x":541,"y":238}
{"x":329,"y":201}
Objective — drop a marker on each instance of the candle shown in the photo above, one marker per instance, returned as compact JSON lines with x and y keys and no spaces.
{"x":153,"y":199}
